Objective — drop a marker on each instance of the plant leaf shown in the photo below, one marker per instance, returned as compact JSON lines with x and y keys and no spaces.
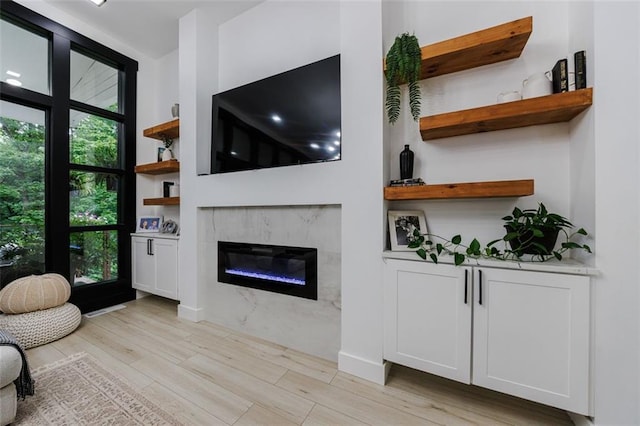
{"x":581,"y":231}
{"x":571,"y":245}
{"x":557,"y":255}
{"x":456,"y":239}
{"x":493,"y":242}
{"x":475,"y":246}
{"x":510,"y":236}
{"x":434,"y":258}
{"x":439,"y":248}
{"x":458,"y":258}
{"x":422,"y":253}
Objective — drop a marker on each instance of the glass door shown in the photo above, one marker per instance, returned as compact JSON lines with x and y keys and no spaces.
{"x":22,"y":191}
{"x":67,"y":153}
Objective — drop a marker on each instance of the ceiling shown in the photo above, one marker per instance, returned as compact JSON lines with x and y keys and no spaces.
{"x":148,"y":26}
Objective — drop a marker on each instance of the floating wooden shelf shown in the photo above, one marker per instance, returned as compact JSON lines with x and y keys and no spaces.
{"x":163,"y":201}
{"x":554,"y":108}
{"x":494,"y":189}
{"x":483,"y":47}
{"x":159,"y":168}
{"x":168,"y":130}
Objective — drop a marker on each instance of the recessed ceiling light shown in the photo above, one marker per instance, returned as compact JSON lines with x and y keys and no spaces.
{"x":14,"y":82}
{"x":338,"y":133}
{"x":314,"y":145}
{"x":331,"y":148}
{"x":98,"y":2}
{"x":276,"y":118}
{"x":336,"y":143}
{"x":13,"y":74}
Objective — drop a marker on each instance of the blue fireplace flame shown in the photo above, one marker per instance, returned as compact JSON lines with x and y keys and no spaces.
{"x":263,"y":276}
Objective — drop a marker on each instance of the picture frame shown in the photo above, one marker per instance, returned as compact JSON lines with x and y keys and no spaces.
{"x":169,"y":227}
{"x":402,"y":223}
{"x":149,"y":224}
{"x":160,"y":151}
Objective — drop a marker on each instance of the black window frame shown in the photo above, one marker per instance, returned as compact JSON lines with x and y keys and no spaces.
{"x":57,"y":106}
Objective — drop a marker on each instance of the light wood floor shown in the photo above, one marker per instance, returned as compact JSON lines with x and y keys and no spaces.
{"x":205,"y":374}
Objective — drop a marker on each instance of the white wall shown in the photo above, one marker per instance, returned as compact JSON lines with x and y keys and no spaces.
{"x":271,"y":38}
{"x":616,"y":39}
{"x":593,"y":178}
{"x":539,"y":152}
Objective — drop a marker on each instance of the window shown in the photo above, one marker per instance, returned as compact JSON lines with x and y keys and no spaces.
{"x":67,"y":152}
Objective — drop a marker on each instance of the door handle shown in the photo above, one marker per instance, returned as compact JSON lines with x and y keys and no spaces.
{"x":480,"y":287}
{"x":466,"y":286}
{"x":151,"y":247}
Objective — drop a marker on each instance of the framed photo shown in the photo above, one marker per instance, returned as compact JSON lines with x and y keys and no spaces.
{"x":402,"y":224}
{"x":149,"y":224}
{"x":169,"y":227}
{"x":160,"y":151}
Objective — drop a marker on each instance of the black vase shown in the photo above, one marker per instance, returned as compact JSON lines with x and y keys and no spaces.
{"x":406,"y":163}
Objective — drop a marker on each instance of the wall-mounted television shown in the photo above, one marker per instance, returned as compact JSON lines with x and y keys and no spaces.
{"x":287,"y":119}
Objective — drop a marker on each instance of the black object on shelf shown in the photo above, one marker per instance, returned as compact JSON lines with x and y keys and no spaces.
{"x":580,"y":64}
{"x":406,"y":163}
{"x":165,"y":188}
{"x":560,"y":76}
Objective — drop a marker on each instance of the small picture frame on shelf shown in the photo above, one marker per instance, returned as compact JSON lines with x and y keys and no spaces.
{"x":402,"y":224}
{"x":149,"y":224}
{"x":160,"y":151}
{"x":169,"y":227}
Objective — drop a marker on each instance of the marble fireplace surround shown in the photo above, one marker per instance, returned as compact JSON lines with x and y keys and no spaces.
{"x":310,"y":326}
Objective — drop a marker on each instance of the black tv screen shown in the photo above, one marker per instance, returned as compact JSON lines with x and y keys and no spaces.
{"x":287,"y":119}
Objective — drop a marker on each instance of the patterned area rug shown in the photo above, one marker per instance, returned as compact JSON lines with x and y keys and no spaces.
{"x":77,"y":391}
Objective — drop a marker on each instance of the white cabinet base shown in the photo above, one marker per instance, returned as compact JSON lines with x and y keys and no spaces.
{"x":522,"y":333}
{"x":531,"y":336}
{"x":155,"y":264}
{"x":426,"y":300}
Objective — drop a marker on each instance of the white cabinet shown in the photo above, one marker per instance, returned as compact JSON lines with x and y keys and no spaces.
{"x":531,"y":336}
{"x":519,"y":332}
{"x":427,"y":310}
{"x":155,"y":264}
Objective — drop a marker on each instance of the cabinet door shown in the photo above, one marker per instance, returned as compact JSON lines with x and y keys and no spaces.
{"x":166,"y":254}
{"x":427,"y":324}
{"x":143,"y":264}
{"x":531,"y":336}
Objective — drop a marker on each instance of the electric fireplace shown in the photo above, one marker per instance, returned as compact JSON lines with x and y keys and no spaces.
{"x":280,"y":269}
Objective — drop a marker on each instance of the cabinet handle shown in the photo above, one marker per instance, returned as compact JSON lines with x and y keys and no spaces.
{"x":480,"y":286}
{"x":150,"y":247}
{"x":466,"y":285}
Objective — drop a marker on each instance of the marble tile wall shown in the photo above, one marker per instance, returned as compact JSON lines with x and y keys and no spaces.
{"x":311,"y":326}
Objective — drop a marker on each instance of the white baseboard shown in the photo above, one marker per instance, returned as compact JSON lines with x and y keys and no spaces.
{"x":189,"y":313}
{"x":580,"y":420}
{"x":363,"y":368}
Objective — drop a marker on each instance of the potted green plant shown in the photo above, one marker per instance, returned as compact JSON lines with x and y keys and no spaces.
{"x":532,"y":231}
{"x":403,"y":64}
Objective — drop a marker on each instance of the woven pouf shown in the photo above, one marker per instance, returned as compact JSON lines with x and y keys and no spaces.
{"x":40,"y":327}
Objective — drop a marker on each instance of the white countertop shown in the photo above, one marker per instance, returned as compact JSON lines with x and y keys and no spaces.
{"x":156,"y":235}
{"x":566,"y":266}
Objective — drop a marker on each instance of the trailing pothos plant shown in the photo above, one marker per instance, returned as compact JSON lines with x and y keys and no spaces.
{"x":403,"y":64}
{"x":530,"y":231}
